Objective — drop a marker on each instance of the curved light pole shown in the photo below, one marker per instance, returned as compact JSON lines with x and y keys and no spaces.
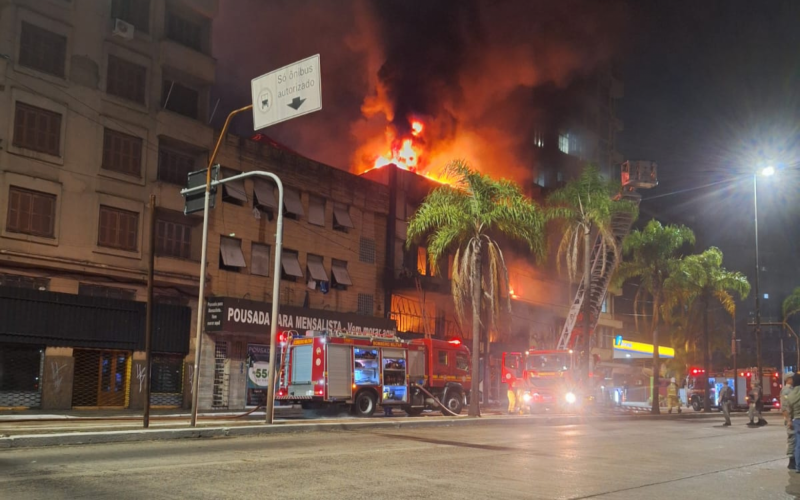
{"x":767,"y":171}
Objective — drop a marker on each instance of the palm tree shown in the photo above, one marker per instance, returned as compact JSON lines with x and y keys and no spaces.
{"x":466,"y":217}
{"x":701,"y":279}
{"x":584,"y":206}
{"x":655,"y":254}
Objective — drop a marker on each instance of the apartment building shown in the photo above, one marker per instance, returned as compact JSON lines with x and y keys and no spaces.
{"x":103,"y":105}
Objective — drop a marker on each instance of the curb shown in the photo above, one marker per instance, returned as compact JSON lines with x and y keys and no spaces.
{"x":104,"y":437}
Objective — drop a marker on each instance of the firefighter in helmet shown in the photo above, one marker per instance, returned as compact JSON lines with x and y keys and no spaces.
{"x":672,"y":396}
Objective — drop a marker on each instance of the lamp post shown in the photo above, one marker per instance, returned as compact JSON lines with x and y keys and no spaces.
{"x":767,"y":171}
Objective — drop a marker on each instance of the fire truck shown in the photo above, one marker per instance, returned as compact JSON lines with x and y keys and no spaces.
{"x":770,"y":387}
{"x":325,"y":369}
{"x":548,"y":378}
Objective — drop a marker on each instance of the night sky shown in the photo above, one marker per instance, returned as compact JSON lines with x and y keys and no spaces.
{"x":711,"y":92}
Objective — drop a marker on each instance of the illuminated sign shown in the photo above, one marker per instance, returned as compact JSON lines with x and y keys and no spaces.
{"x":637,"y":350}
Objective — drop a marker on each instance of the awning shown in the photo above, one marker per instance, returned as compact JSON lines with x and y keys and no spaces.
{"x":292,"y":203}
{"x":259,"y":261}
{"x":291,"y":265}
{"x":234,"y":189}
{"x":340,"y":274}
{"x":231,"y":252}
{"x":316,"y":211}
{"x":316,"y":269}
{"x":265,"y":193}
{"x":342,"y":216}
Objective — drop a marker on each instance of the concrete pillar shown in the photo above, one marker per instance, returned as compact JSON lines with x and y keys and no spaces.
{"x":138,"y":378}
{"x":58,"y":375}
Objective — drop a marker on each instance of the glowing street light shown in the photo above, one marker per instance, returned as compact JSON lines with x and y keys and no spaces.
{"x":767,"y":171}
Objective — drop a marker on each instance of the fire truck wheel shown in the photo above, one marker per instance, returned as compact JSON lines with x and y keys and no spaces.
{"x":364,"y":405}
{"x":454,"y":402}
{"x":696,"y":404}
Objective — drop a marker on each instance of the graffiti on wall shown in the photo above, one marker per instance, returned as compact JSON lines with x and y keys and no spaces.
{"x":58,"y":377}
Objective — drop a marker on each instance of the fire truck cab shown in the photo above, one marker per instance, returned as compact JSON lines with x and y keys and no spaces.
{"x":743,"y":380}
{"x":546,"y":378}
{"x":325,"y":369}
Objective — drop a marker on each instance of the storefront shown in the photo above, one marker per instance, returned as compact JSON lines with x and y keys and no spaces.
{"x":61,"y":351}
{"x":236,"y":349}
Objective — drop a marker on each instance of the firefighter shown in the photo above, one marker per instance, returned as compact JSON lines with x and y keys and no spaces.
{"x":725,"y":402}
{"x":755,"y":399}
{"x":788,"y":385}
{"x":793,"y":407}
{"x":672,"y":396}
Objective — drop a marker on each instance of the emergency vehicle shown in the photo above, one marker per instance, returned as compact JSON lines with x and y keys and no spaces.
{"x":770,"y":387}
{"x":546,"y":375}
{"x":325,"y":369}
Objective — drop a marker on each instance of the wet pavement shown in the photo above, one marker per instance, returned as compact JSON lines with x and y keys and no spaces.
{"x":622,"y":459}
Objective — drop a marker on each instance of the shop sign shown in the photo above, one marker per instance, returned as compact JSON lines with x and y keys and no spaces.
{"x":227,"y":314}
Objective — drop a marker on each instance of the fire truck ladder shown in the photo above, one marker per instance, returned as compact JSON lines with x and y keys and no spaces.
{"x":634,"y":175}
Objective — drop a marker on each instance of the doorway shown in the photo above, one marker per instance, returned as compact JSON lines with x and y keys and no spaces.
{"x":101,"y":379}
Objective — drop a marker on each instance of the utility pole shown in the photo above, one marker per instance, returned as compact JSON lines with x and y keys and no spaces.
{"x":148,"y":329}
{"x":758,"y":299}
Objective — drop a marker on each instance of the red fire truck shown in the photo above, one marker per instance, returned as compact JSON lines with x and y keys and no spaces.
{"x":770,"y":387}
{"x":548,"y":378}
{"x":325,"y":369}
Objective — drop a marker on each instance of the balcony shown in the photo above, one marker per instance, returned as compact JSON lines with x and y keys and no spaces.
{"x":193,"y":64}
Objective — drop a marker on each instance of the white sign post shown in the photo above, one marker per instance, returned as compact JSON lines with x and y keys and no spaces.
{"x":287,"y":93}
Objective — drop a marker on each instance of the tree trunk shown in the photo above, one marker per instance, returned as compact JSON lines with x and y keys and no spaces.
{"x":656,"y":364}
{"x":587,"y":295}
{"x":706,"y":359}
{"x":474,"y":397}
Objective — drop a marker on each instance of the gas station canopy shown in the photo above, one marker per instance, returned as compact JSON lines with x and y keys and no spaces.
{"x":627,"y":349}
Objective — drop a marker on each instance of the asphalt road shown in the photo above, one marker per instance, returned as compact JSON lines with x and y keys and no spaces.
{"x":691,"y":458}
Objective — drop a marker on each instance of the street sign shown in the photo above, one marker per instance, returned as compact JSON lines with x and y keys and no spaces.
{"x":196,"y":202}
{"x":286,"y":93}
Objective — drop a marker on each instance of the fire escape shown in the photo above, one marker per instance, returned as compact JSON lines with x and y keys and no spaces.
{"x":635,"y":175}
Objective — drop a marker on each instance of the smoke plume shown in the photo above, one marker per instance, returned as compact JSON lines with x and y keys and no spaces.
{"x":467,"y":69}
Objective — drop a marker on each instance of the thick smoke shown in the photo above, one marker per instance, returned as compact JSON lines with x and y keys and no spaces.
{"x":467,"y":68}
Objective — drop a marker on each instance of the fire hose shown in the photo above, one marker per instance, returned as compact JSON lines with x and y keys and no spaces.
{"x":435,"y":399}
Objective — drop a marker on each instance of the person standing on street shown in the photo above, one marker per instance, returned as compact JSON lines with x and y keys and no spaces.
{"x":672,"y":396}
{"x":793,"y":405}
{"x":788,"y":385}
{"x":754,"y":398}
{"x":725,"y":402}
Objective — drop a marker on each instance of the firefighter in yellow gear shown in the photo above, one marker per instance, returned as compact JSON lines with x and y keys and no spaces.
{"x":672,"y":396}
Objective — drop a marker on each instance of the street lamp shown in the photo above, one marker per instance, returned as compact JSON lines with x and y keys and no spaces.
{"x":766,"y":171}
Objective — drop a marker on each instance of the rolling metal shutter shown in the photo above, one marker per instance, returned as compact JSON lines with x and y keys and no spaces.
{"x":340,"y":371}
{"x":301,"y":364}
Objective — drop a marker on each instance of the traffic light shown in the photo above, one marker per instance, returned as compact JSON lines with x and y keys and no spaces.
{"x":195,"y":202}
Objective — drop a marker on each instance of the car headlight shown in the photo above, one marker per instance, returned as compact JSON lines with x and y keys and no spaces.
{"x":570,"y":397}
{"x":527,"y":397}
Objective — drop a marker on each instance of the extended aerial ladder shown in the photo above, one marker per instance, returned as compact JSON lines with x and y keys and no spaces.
{"x":635,"y":175}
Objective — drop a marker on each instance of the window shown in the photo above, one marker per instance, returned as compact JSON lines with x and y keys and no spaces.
{"x":174,"y":166}
{"x":37,"y":129}
{"x":264,"y":193}
{"x":122,"y":153}
{"x":563,"y":143}
{"x":604,"y":306}
{"x":341,"y":278}
{"x":31,"y":212}
{"x":422,"y":261}
{"x":366,"y":250}
{"x":179,"y":99}
{"x":29,"y":282}
{"x":136,"y":12}
{"x":231,"y":257}
{"x":190,"y":33}
{"x":341,"y":218}
{"x":259,"y":260}
{"x":126,"y":80}
{"x":109,"y":292}
{"x":118,"y":229}
{"x":233,"y":191}
{"x":173,"y":239}
{"x":462,"y":361}
{"x":315,"y":269}
{"x":538,"y":138}
{"x":290,"y":266}
{"x":316,"y":211}
{"x":42,"y":50}
{"x":366,"y":304}
{"x":441,"y":357}
{"x":293,"y":207}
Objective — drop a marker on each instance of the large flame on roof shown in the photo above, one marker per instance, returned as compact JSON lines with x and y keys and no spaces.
{"x":407,"y":151}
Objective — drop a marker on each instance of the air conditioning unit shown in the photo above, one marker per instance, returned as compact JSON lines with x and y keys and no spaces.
{"x":123,"y":29}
